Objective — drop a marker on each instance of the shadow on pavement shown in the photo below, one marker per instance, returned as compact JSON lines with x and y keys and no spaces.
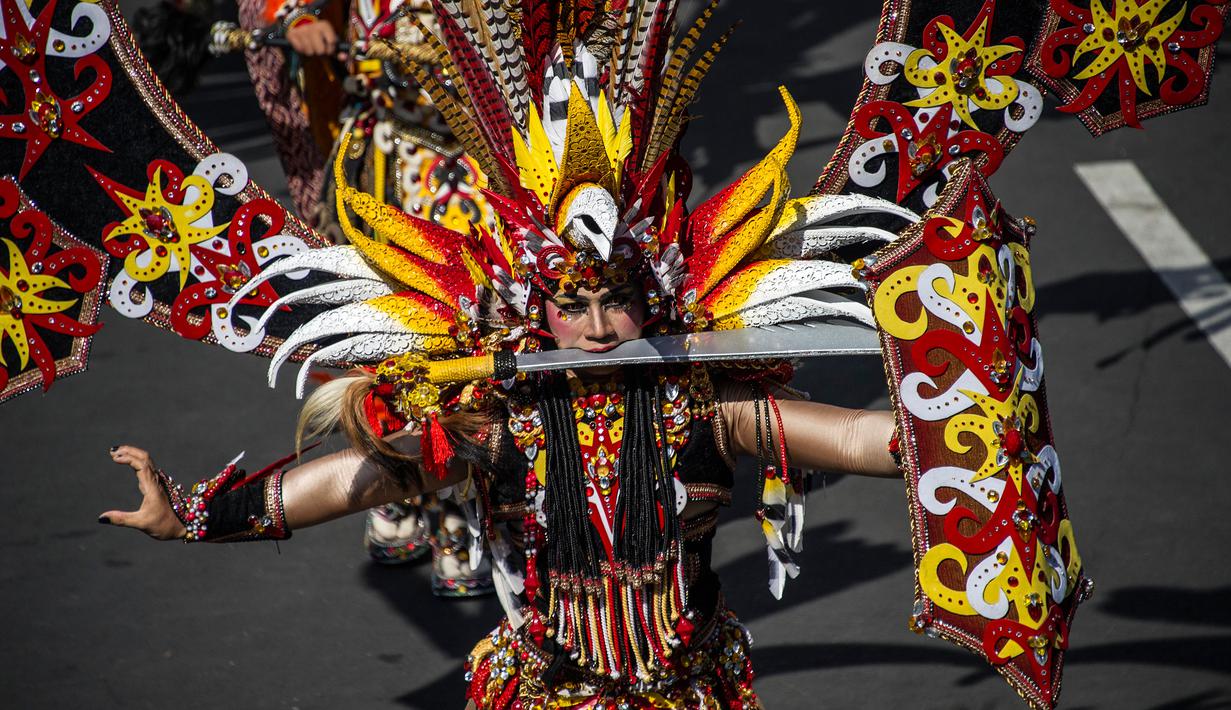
{"x":448,"y":691}
{"x":1201,"y":654}
{"x":453,"y":626}
{"x":1213,"y":699}
{"x":1204,"y":653}
{"x":788,"y":658}
{"x":768,"y":49}
{"x":1135,"y":292}
{"x":1207,"y":607}
{"x":825,"y":548}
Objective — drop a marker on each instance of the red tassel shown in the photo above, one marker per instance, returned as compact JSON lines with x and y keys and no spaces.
{"x":381,"y":418}
{"x":537,"y":629}
{"x":684,"y":629}
{"x":435,"y":447}
{"x":372,"y":413}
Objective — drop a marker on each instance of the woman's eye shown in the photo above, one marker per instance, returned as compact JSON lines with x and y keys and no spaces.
{"x":572,"y":309}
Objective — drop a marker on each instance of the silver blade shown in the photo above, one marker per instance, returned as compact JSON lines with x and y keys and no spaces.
{"x":793,"y":340}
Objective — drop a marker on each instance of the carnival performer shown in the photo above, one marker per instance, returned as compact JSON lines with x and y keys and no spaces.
{"x":594,"y":486}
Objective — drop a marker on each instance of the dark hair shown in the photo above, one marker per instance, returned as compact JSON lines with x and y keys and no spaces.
{"x":573,"y":547}
{"x":643,"y":541}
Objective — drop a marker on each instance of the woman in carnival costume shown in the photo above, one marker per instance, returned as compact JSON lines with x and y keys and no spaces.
{"x":594,"y":490}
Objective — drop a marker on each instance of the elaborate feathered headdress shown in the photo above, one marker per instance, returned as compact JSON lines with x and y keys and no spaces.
{"x":574,"y":113}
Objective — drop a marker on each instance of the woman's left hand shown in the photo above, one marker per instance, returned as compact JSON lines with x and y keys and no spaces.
{"x":155,"y":516}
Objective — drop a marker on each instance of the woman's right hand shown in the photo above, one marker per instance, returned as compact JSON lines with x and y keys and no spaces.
{"x":313,"y":39}
{"x":155,"y":516}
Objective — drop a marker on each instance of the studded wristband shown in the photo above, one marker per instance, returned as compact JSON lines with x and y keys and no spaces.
{"x":229,"y":508}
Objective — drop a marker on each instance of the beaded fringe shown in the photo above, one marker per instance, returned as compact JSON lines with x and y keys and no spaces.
{"x":628,"y":624}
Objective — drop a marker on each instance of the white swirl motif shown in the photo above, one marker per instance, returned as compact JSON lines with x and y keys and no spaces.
{"x":981,"y":578}
{"x":944,"y":405}
{"x":892,"y":52}
{"x":1046,"y":460}
{"x":121,"y":296}
{"x":1059,"y":578}
{"x":1032,"y":377}
{"x":62,"y":44}
{"x":958,"y":479}
{"x":222,"y":316}
{"x":943,"y":307}
{"x":1030,"y":102}
{"x":866,"y":153}
{"x":217,"y":166}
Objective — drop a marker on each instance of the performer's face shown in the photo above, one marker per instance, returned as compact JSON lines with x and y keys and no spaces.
{"x":596,"y":320}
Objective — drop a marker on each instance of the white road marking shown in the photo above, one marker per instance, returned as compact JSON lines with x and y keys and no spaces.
{"x":1165,"y":245}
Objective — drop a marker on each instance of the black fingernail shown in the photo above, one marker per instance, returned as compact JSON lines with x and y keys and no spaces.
{"x":115,"y":449}
{"x":104,"y":520}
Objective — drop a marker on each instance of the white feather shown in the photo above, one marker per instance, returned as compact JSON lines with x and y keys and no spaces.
{"x":818,"y":304}
{"x":812,"y":242}
{"x":344,"y":260}
{"x":586,"y":62}
{"x":556,"y":83}
{"x":796,"y":277}
{"x":812,"y":211}
{"x":352,"y":318}
{"x":369,"y":347}
{"x":333,"y":293}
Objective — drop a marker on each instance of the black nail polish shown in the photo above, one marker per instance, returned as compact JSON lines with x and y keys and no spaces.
{"x":104,"y":520}
{"x":115,"y":449}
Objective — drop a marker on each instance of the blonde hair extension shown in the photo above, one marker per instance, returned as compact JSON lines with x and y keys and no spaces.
{"x":339,"y":405}
{"x":322,"y":411}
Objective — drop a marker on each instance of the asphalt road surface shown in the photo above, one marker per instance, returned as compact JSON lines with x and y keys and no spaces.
{"x":100,"y":618}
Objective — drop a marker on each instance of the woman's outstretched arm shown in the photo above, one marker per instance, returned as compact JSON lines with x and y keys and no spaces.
{"x":314,"y":492}
{"x":818,"y":436}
